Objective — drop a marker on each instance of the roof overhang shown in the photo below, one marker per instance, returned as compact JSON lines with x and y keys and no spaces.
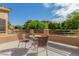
{"x":4,"y":9}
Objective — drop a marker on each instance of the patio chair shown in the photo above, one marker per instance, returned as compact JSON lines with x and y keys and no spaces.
{"x":42,"y":42}
{"x":22,"y":39}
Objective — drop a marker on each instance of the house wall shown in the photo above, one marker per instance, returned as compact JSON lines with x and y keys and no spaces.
{"x":4,"y":16}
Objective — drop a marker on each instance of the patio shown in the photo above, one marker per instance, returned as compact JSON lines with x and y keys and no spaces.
{"x":54,"y":49}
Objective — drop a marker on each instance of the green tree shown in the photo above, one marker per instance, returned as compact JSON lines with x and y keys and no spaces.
{"x":73,"y":20}
{"x":9,"y":24}
{"x":18,"y":27}
{"x":35,"y":24}
{"x":54,"y":25}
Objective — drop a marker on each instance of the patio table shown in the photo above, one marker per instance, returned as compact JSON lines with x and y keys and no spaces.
{"x":34,"y":37}
{"x":40,"y":41}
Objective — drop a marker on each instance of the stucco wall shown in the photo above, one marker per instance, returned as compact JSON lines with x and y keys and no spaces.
{"x":65,"y":40}
{"x":7,"y":37}
{"x":3,"y":15}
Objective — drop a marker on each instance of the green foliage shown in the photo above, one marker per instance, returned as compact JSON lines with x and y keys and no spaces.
{"x":72,"y":22}
{"x":54,"y":25}
{"x":9,"y":24}
{"x":18,"y":27}
{"x":34,"y":24}
{"x":75,"y":20}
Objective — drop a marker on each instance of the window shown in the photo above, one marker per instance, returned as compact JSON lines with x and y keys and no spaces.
{"x":2,"y":25}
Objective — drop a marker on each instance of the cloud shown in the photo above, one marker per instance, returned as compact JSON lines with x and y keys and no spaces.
{"x":67,"y":9}
{"x":47,"y":5}
{"x":64,"y":11}
{"x":58,"y":20}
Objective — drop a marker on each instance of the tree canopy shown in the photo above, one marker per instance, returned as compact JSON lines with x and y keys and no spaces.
{"x":72,"y":21}
{"x":35,"y":24}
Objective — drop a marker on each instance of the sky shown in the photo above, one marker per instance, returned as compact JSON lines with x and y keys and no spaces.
{"x":55,"y":12}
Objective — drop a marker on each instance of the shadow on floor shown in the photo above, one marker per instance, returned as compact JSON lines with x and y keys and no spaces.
{"x":72,"y":51}
{"x":63,"y":50}
{"x":15,"y":51}
{"x":31,"y":54}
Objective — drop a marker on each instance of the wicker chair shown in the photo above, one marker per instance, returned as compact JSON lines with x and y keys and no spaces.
{"x":42,"y":42}
{"x":22,"y":39}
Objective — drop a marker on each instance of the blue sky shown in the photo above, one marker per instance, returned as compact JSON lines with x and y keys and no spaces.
{"x":21,"y":12}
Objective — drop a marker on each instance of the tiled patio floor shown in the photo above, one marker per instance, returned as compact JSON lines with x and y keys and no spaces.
{"x":54,"y":49}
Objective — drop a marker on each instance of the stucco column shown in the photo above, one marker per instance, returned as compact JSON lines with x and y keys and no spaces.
{"x":32,"y":31}
{"x":46,"y":31}
{"x":6,"y":25}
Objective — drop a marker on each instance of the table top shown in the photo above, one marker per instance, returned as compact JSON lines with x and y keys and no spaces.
{"x":35,"y":35}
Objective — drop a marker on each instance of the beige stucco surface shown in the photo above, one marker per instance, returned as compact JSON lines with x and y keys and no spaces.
{"x":4,"y":13}
{"x":4,"y":16}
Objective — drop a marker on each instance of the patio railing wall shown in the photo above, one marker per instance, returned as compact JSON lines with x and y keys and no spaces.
{"x":52,"y":37}
{"x":65,"y":40}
